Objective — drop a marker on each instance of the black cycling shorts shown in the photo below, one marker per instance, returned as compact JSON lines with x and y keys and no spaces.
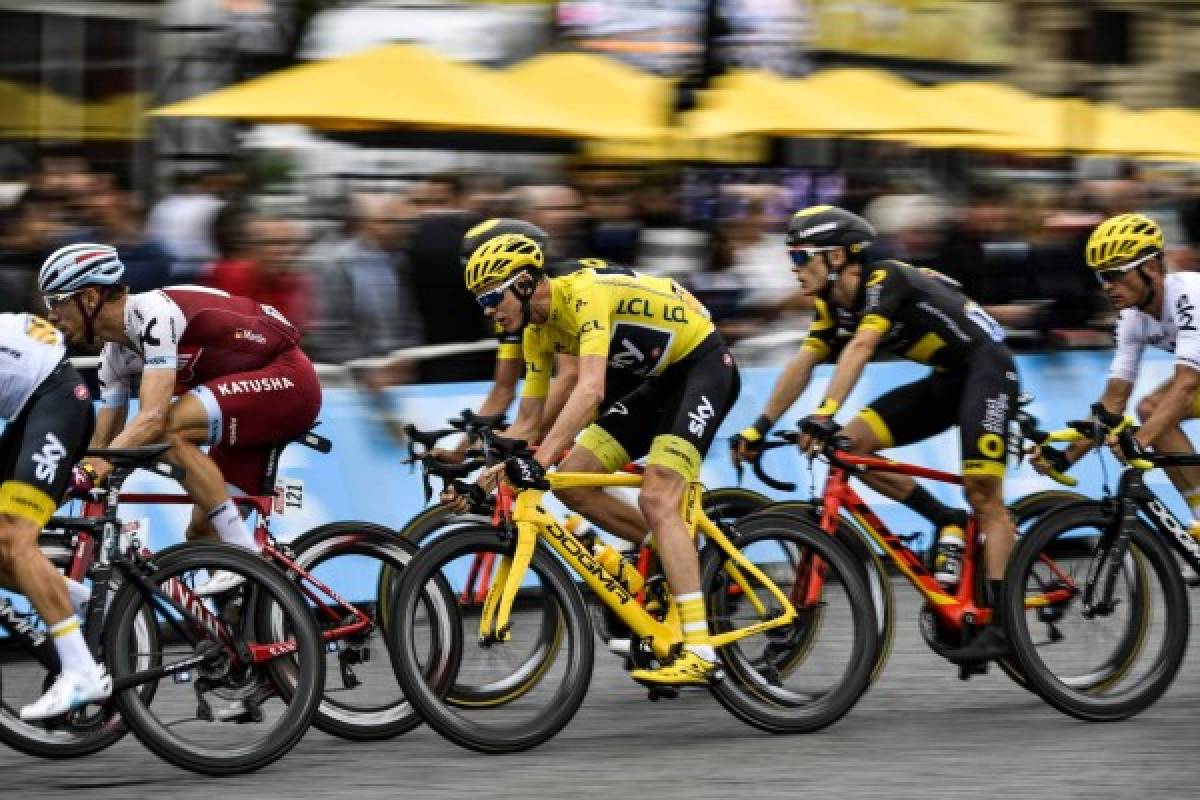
{"x":42,"y":443}
{"x":672,"y":417}
{"x":980,"y":398}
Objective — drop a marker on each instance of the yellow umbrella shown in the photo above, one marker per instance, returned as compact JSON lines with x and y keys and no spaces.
{"x":615,"y":100}
{"x":751,"y":101}
{"x":907,"y":105}
{"x":40,"y":113}
{"x":384,"y":87}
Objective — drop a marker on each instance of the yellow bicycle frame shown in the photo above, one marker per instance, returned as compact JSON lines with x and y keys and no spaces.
{"x":534,"y":522}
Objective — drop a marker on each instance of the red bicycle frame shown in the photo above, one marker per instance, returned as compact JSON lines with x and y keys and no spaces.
{"x":954,"y":610}
{"x":313,"y":589}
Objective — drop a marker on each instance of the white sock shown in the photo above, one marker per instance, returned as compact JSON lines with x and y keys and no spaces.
{"x":230,"y":526}
{"x":72,"y":650}
{"x":78,"y":593}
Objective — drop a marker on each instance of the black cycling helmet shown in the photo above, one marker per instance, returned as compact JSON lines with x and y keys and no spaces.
{"x":498,"y":226}
{"x":830,"y":226}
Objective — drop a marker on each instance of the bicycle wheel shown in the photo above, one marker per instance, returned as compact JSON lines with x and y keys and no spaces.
{"x":1028,"y":509}
{"x":729,"y":504}
{"x":218,"y":713}
{"x":23,"y":679}
{"x":543,"y":646}
{"x":362,"y":700}
{"x":806,"y":675}
{"x":874,"y":570}
{"x":1100,"y":664}
{"x":547,"y":701}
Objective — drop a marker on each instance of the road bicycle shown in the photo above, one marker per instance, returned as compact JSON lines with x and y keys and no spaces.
{"x":175,"y":657}
{"x":722,"y":506}
{"x":948,"y":619}
{"x":361,"y":700}
{"x":1113,"y":642}
{"x":777,"y":672}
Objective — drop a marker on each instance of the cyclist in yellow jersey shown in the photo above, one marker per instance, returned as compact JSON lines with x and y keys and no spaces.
{"x":652,"y":364}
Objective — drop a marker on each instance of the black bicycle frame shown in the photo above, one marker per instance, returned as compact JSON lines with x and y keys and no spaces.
{"x":1133,"y":496}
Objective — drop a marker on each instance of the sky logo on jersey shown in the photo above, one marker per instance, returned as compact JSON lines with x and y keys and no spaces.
{"x":47,"y":460}
{"x":700,"y":417}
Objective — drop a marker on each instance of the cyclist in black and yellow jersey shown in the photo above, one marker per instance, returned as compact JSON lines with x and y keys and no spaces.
{"x":923,"y":316}
{"x":653,"y":366}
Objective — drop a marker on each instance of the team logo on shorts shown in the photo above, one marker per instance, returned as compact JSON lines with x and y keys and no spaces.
{"x":82,"y":393}
{"x":47,"y":460}
{"x":727,"y":359}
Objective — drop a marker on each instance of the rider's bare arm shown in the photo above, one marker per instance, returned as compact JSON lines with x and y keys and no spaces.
{"x":851,"y":362}
{"x":792,"y":382}
{"x":578,"y":411}
{"x":529,"y":419}
{"x":149,"y":425}
{"x":110,"y":421}
{"x":1176,"y":401}
{"x":1115,"y":398}
{"x":566,"y":375}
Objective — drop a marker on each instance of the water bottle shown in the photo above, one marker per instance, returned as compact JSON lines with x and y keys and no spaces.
{"x":947,"y":562}
{"x":614,"y":564}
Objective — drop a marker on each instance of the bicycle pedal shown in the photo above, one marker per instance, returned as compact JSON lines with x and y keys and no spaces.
{"x":965,"y":671}
{"x":349,"y":679}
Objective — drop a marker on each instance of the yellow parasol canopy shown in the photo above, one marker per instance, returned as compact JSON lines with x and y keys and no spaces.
{"x":385,"y":87}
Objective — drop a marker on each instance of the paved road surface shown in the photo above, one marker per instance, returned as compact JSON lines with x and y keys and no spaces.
{"x":919,"y":732}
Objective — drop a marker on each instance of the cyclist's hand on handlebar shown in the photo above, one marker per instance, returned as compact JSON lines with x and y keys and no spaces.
{"x":458,"y":503}
{"x":1047,"y":460}
{"x":526,"y":472}
{"x":490,"y":478}
{"x":815,"y":431}
{"x":745,"y":446}
{"x":748,"y":444}
{"x":1127,"y":448}
{"x":83,"y":479}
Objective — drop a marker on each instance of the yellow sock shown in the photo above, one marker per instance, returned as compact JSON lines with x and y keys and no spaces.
{"x":691,"y":614}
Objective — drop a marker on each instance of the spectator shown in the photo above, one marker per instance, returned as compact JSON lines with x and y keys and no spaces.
{"x":613,"y":224}
{"x":558,"y":210}
{"x":366,"y":303}
{"x":117,"y":216}
{"x":448,"y":311}
{"x":270,"y":271}
{"x":183,"y":222}
{"x":29,"y":232}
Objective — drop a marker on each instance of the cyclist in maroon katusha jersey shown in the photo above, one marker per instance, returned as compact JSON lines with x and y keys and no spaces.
{"x":215,"y":370}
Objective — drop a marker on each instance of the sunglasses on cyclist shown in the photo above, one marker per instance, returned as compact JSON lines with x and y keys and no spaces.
{"x":1112,"y":275}
{"x":55,"y":300}
{"x":492,"y":297}
{"x":802,"y":255}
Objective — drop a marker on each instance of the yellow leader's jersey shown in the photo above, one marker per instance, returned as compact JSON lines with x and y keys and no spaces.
{"x":641,"y":323}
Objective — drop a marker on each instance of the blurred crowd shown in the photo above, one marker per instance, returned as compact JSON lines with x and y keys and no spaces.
{"x":384,"y":272}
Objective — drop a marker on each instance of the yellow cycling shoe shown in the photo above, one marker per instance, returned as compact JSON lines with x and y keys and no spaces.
{"x":688,"y":669}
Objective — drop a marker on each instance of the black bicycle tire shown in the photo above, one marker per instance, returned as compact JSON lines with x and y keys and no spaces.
{"x":1090,"y":705}
{"x":781,"y":718}
{"x":305,"y":695}
{"x":370,"y":541}
{"x":430,"y":701}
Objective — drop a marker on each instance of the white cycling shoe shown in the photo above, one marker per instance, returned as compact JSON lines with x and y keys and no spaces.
{"x":219,"y":582}
{"x":70,"y":691}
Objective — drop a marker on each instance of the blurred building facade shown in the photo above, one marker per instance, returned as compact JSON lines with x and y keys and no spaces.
{"x":1140,"y":53}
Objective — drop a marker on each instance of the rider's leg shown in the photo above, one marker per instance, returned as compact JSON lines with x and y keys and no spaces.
{"x":602,"y":508}
{"x":661,"y":501}
{"x":1174,"y":440}
{"x":869,"y":433}
{"x":187,"y":425}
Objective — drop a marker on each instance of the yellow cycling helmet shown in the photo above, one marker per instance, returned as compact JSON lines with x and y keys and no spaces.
{"x":1121,"y":239}
{"x":499,"y":258}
